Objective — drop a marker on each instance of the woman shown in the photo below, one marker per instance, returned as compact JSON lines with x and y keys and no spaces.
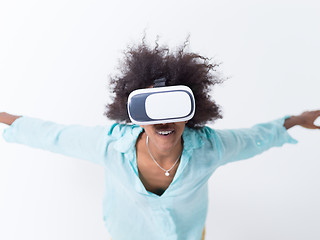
{"x":157,"y":174}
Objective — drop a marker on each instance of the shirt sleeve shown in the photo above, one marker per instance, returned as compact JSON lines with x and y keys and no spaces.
{"x":238,"y":144}
{"x":88,"y":143}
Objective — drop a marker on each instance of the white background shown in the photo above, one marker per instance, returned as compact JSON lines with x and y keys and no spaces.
{"x":55,"y":59}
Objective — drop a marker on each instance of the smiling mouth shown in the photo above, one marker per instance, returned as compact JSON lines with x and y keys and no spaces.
{"x":165,"y":132}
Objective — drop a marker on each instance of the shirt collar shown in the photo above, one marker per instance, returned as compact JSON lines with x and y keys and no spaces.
{"x":128,"y":139}
{"x":191,"y":139}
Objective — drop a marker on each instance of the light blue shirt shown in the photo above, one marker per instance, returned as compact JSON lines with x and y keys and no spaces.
{"x":129,"y":210}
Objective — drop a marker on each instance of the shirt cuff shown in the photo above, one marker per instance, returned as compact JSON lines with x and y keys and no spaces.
{"x":10,"y":132}
{"x":287,"y":137}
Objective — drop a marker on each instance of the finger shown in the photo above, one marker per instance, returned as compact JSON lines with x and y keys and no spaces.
{"x":315,"y":126}
{"x":315,"y":112}
{"x":317,"y":121}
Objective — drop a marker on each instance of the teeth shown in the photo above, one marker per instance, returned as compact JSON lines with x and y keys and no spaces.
{"x":164,"y":132}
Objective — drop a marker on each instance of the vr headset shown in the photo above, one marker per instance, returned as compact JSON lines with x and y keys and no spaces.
{"x":161,"y":104}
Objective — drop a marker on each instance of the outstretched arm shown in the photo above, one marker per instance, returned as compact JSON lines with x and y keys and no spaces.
{"x":237,"y":144}
{"x":305,"y":119}
{"x":77,"y":141}
{"x":7,"y":118}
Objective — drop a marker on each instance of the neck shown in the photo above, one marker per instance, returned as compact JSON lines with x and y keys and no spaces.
{"x":164,"y":156}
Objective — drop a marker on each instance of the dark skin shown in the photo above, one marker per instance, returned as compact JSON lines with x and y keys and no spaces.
{"x":151,"y":176}
{"x":305,"y":120}
{"x":166,"y":149}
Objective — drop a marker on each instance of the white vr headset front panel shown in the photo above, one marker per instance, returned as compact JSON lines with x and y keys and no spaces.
{"x":161,"y":105}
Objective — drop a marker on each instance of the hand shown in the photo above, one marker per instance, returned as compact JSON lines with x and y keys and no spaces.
{"x":305,"y":119}
{"x":7,"y":118}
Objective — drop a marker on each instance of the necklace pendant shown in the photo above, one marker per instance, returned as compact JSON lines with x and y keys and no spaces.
{"x":167,"y":174}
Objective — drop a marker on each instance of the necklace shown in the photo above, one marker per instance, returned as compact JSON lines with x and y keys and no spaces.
{"x":166,"y":171}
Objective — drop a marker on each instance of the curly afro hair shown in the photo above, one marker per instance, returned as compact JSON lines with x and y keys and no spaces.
{"x":142,"y":65}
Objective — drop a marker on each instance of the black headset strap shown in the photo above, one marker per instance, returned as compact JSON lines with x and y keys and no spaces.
{"x":161,"y":82}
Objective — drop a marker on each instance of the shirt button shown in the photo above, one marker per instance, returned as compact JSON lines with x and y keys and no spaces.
{"x":258,"y":143}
